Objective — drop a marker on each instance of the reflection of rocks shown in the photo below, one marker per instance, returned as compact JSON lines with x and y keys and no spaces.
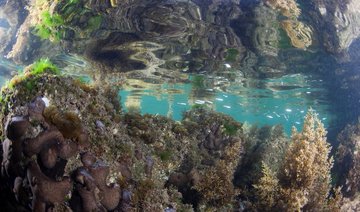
{"x":24,"y":46}
{"x":12,"y":15}
{"x":299,"y":34}
{"x":337,"y":22}
{"x":199,"y":33}
{"x":108,"y":54}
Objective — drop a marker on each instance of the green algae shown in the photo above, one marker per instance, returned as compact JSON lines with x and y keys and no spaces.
{"x":231,"y":55}
{"x":29,"y":79}
{"x":198,"y":81}
{"x":43,"y":65}
{"x":50,"y":27}
{"x":165,"y":155}
{"x":36,"y":69}
{"x":231,"y":129}
{"x":94,"y":23}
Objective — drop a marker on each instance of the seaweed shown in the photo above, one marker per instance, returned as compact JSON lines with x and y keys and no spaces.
{"x":50,"y":27}
{"x":42,"y":66}
{"x":37,"y":68}
{"x":231,"y":55}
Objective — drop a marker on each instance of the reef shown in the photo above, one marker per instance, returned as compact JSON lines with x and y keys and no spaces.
{"x":75,"y":138}
{"x":72,"y":136}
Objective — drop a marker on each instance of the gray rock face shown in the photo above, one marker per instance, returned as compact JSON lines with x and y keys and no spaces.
{"x":339,"y":22}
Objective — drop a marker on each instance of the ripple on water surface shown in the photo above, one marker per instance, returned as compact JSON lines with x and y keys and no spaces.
{"x":283,"y":100}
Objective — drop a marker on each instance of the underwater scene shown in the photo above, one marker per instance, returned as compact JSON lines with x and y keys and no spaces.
{"x":173,"y":105}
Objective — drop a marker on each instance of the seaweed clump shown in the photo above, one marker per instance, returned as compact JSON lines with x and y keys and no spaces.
{"x":36,"y":152}
{"x":34,"y":70}
{"x":50,"y":27}
{"x":265,"y":146}
{"x":205,"y":177}
{"x":303,"y":182}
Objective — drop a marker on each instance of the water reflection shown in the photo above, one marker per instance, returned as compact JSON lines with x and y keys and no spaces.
{"x":255,"y":60}
{"x":270,"y":101}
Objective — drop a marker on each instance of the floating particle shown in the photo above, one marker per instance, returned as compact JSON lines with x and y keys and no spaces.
{"x":276,"y":114}
{"x":200,"y":102}
{"x":227,"y":65}
{"x":46,"y":101}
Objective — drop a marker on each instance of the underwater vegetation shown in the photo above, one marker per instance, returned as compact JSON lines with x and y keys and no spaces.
{"x":289,"y":175}
{"x":50,"y":27}
{"x":57,"y":24}
{"x":207,"y":161}
{"x":348,"y":160}
{"x":67,"y":145}
{"x":35,"y":69}
{"x":42,"y":65}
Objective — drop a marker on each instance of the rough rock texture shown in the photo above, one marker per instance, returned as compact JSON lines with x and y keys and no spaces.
{"x":348,"y":160}
{"x":142,"y":152}
{"x":338,"y":22}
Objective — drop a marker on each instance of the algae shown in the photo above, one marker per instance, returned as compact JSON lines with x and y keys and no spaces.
{"x":50,"y":27}
{"x":231,"y":55}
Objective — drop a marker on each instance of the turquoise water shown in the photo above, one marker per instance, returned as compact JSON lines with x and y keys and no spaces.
{"x":284,"y":100}
{"x":271,"y":101}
